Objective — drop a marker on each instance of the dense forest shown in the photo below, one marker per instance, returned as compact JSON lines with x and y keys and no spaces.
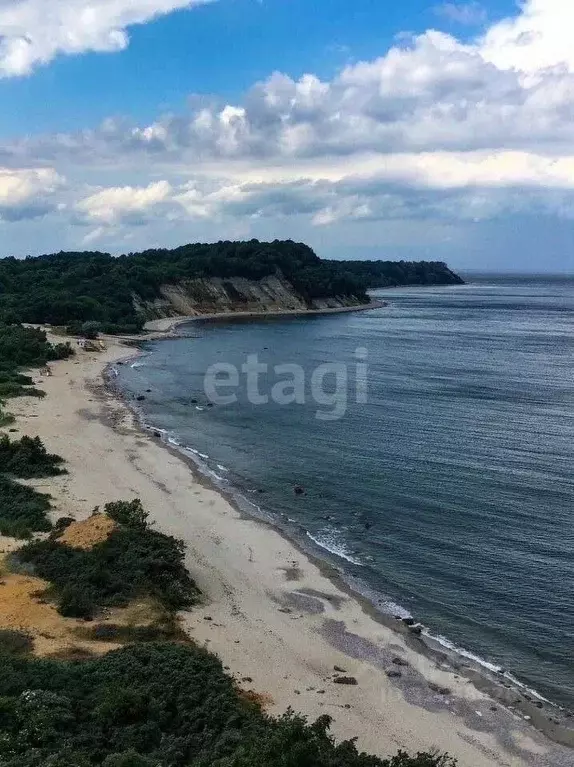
{"x":68,"y":289}
{"x":388,"y":274}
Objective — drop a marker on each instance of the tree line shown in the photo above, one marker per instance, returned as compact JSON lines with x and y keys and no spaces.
{"x":68,"y":289}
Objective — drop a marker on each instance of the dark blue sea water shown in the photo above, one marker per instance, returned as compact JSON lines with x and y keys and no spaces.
{"x":450,"y":493}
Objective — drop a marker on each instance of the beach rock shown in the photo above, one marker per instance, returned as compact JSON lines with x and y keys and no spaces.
{"x":417,"y":629}
{"x":339,"y":669}
{"x":207,"y":618}
{"x":193,"y":401}
{"x":140,"y":398}
{"x":320,"y":692}
{"x":298,"y":490}
{"x":247,"y":679}
{"x":285,"y":610}
{"x":408,"y":621}
{"x":393,"y":673}
{"x":350,"y":680}
{"x":400,"y":661}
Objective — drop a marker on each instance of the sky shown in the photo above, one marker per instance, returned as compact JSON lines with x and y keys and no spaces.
{"x":412,"y":130}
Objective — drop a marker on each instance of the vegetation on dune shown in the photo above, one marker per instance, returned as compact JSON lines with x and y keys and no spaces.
{"x":134,"y":561}
{"x":22,"y":510}
{"x":92,"y":291}
{"x":22,"y":347}
{"x":27,"y":458}
{"x":156,"y":705}
{"x":25,"y":347}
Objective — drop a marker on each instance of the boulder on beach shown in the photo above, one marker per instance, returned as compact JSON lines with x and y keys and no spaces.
{"x":345,"y":680}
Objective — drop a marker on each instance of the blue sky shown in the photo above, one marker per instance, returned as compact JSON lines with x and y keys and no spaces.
{"x":220,"y":48}
{"x":368,"y":129}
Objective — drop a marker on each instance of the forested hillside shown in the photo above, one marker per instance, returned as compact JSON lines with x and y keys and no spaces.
{"x":73,"y":288}
{"x":388,"y":274}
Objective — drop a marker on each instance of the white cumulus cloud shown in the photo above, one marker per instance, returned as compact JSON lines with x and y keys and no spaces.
{"x":33,"y":32}
{"x":28,"y":193}
{"x":113,"y":204}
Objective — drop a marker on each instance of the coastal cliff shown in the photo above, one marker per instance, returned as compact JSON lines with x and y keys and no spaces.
{"x":216,"y":295}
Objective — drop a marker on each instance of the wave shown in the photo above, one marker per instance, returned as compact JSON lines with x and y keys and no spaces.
{"x":330,"y":540}
{"x":492,"y":667}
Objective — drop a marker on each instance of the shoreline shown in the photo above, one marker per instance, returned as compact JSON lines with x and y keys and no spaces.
{"x":275,"y":616}
{"x":168,"y":324}
{"x":496,"y":682}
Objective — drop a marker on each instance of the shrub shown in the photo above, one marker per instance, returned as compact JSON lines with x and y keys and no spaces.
{"x":133,"y":561}
{"x":27,"y":458}
{"x":74,"y":602}
{"x":129,"y":513}
{"x":15,"y":642}
{"x":22,"y":510}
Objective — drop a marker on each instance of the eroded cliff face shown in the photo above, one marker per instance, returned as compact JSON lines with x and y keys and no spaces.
{"x":216,"y":295}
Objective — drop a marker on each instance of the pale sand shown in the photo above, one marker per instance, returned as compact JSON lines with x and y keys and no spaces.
{"x":271,"y":614}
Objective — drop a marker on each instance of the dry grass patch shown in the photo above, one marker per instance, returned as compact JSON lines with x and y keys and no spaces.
{"x":88,"y":532}
{"x":23,"y":608}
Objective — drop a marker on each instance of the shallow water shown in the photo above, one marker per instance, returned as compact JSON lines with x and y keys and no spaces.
{"x":450,"y":493}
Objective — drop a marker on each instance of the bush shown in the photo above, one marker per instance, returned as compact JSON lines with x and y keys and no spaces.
{"x":76,"y":603}
{"x":129,"y":513}
{"x":15,"y":642}
{"x":132,"y":562}
{"x":22,"y":510}
{"x":27,"y":458}
{"x":6,"y":419}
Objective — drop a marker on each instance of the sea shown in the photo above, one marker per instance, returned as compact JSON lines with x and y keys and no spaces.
{"x":425,"y":449}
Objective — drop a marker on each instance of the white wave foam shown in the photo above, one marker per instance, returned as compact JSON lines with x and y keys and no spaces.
{"x":150,"y":427}
{"x":222,"y":468}
{"x":330,"y":540}
{"x":136,"y":365}
{"x":197,"y":407}
{"x":461,"y":651}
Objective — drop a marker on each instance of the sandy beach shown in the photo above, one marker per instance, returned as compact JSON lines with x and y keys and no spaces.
{"x":278,"y":620}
